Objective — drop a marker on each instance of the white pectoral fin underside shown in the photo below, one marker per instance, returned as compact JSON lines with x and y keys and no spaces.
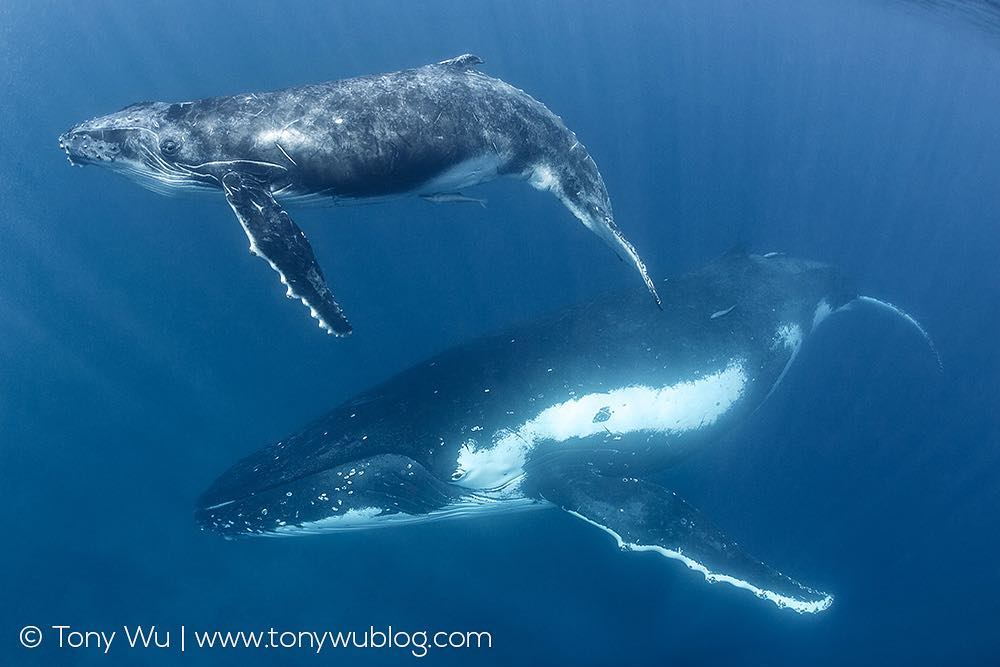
{"x":275,"y":237}
{"x":642,"y":516}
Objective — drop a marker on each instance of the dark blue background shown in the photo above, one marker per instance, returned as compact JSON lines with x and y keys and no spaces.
{"x":142,"y":349}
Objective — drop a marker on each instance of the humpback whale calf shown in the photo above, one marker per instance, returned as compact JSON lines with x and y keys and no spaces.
{"x":574,"y":411}
{"x":428,"y":132}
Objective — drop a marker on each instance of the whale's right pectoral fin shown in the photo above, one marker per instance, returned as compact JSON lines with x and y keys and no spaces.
{"x":642,"y":516}
{"x":275,"y":237}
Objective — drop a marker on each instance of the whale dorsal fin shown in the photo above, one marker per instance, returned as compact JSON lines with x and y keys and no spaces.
{"x":464,"y":61}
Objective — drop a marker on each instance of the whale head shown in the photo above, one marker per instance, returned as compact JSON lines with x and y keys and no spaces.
{"x":150,"y":142}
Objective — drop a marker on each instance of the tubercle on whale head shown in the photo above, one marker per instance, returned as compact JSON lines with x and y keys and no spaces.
{"x":149,"y":142}
{"x":83,"y":147}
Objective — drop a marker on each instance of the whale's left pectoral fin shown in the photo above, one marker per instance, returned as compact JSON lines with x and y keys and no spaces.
{"x":642,"y":516}
{"x":275,"y":237}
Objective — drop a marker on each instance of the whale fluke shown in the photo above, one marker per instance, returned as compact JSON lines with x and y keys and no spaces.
{"x":896,"y":310}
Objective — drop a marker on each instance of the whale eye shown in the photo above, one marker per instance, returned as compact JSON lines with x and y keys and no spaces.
{"x":169,"y":146}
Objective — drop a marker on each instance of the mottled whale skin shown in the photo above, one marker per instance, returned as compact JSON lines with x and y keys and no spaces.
{"x":429,"y":132}
{"x":572,"y":411}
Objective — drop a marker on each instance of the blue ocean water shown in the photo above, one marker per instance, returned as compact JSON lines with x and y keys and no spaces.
{"x":143,"y":350}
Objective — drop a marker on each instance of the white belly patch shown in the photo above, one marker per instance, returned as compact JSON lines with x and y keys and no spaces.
{"x":673,"y":409}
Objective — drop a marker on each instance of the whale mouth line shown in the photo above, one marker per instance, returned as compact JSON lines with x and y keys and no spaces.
{"x":222,"y":500}
{"x":121,"y":149}
{"x":477,"y":495}
{"x":499,"y":492}
{"x":218,"y":505}
{"x":369,"y":518}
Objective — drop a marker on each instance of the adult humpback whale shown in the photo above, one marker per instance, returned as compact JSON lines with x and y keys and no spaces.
{"x":430,"y":132}
{"x":573,"y":411}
